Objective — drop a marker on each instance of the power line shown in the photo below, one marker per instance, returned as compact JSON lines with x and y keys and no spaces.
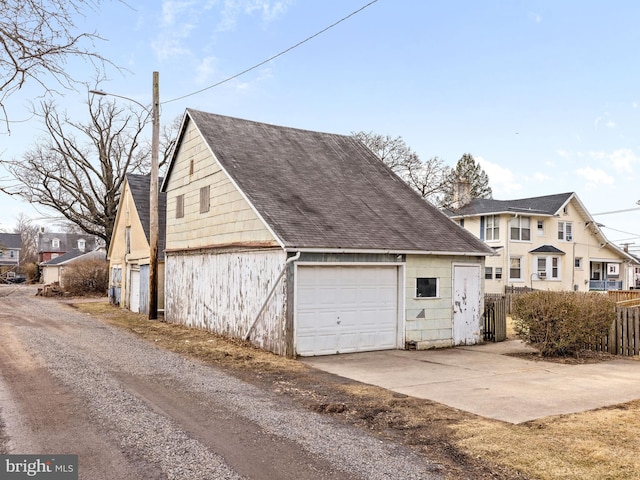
{"x":274,"y":56}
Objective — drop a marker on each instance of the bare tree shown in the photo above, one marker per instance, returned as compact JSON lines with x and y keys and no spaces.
{"x":29,"y":235}
{"x":79,"y":169}
{"x":37,"y":39}
{"x":427,"y":178}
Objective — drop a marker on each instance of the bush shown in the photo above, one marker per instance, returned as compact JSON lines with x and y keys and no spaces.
{"x":562,"y":323}
{"x":32,"y":271}
{"x":88,"y":277}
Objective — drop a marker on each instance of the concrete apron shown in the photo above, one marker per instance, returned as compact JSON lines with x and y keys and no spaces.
{"x":481,"y":379}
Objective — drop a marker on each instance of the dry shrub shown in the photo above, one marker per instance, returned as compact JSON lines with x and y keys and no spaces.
{"x":32,"y":271}
{"x":562,"y":323}
{"x":87,"y":277}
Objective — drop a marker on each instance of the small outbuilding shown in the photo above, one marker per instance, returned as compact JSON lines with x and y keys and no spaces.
{"x":306,"y":243}
{"x":129,"y":252}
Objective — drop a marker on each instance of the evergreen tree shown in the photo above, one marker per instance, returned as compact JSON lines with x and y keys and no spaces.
{"x":467,"y":169}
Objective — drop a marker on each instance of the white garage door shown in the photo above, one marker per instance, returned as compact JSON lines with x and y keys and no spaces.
{"x":341,"y":309}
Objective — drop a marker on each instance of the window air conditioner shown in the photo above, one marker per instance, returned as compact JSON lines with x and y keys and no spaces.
{"x":542,"y":274}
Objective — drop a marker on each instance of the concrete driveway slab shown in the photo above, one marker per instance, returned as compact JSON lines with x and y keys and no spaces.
{"x":483,"y":380}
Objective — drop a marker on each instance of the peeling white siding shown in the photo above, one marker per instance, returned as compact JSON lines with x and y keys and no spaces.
{"x":223,"y":293}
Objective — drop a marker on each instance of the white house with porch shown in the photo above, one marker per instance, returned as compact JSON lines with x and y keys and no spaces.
{"x":547,"y":243}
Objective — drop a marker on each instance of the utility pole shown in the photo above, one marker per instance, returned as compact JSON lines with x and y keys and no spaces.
{"x":153,"y":201}
{"x":153,"y":189}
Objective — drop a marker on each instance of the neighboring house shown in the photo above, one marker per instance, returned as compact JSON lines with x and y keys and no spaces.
{"x":305,"y":243}
{"x":547,"y":243}
{"x":10,"y":247}
{"x":54,"y":244}
{"x":129,"y":248}
{"x":52,"y":270}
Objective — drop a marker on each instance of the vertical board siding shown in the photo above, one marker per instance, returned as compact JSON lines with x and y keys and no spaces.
{"x":223,"y":293}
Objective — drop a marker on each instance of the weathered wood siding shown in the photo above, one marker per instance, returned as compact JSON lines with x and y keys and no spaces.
{"x":223,"y":292}
{"x":230,"y":219}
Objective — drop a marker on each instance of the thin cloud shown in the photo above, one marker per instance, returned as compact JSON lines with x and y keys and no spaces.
{"x":205,"y":70}
{"x":536,"y":17}
{"x":595,"y":176}
{"x":234,"y":9}
{"x":501,"y":180}
{"x":622,"y":159}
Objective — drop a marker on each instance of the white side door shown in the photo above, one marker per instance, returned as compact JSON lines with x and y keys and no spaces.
{"x":467,"y":304}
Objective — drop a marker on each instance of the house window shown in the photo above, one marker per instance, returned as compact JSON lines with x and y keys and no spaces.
{"x":180,"y":206}
{"x":520,"y":228}
{"x":461,"y":222}
{"x":488,"y":273}
{"x":577,"y":263}
{"x":426,"y":287}
{"x":55,"y":243}
{"x":127,"y":240}
{"x":515,"y":268}
{"x":12,"y":254}
{"x":542,"y":267}
{"x":565,"y":231}
{"x":540,"y":228}
{"x":548,"y":267}
{"x":205,"y":199}
{"x":498,"y":273}
{"x":82,"y":244}
{"x":492,"y":227}
{"x":54,"y":255}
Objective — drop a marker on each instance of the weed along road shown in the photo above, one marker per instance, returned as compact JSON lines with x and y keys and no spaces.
{"x":70,"y":384}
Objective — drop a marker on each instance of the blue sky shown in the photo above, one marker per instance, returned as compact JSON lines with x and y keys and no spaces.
{"x":544,"y":94}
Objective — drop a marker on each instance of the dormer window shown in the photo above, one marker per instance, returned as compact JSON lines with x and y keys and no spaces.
{"x":55,"y":243}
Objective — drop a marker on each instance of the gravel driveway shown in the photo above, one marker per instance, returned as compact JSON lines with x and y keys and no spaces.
{"x":70,"y":384}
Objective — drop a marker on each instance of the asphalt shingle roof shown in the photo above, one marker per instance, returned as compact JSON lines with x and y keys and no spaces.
{"x":68,"y":241}
{"x":139,"y":186}
{"x":322,"y":190}
{"x":75,"y":255}
{"x":545,"y":205}
{"x":10,"y":240}
{"x":547,"y":249}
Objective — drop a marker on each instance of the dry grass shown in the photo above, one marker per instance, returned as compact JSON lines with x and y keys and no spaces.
{"x":200,"y":344}
{"x":601,"y":444}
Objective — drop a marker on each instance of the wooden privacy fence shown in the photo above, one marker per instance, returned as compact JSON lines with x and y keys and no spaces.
{"x":624,"y":335}
{"x":495,"y":318}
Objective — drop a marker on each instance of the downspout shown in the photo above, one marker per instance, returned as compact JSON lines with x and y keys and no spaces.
{"x":270,"y":294}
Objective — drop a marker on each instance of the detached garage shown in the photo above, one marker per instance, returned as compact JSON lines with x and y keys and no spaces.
{"x":305,"y":243}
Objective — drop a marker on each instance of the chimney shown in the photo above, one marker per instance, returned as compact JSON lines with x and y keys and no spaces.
{"x":461,"y":193}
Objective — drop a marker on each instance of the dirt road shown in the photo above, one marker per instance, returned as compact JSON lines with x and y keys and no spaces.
{"x":70,"y":384}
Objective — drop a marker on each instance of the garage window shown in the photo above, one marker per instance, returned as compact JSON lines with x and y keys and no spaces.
{"x":426,"y":287}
